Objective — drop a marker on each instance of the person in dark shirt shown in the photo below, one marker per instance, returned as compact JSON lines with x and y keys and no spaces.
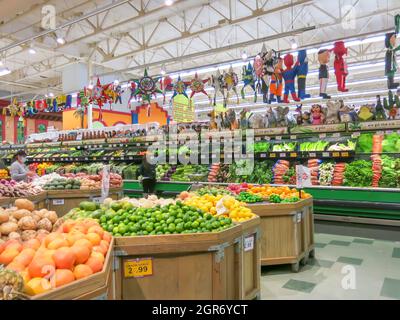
{"x":147,"y":172}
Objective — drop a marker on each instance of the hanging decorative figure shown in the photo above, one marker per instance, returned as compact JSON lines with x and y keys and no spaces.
{"x":276,"y":85}
{"x":248,"y":78}
{"x":230,"y":82}
{"x":340,"y":65}
{"x":197,"y":86}
{"x":146,"y":87}
{"x":289,"y":74}
{"x":323,"y":58}
{"x":179,"y":87}
{"x":390,"y":59}
{"x":166,"y":86}
{"x":302,"y":62}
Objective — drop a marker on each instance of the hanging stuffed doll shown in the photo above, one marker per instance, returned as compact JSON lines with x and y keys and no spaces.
{"x":340,"y":65}
{"x":323,"y":58}
{"x":302,"y":62}
{"x":68,"y":102}
{"x":132,"y":88}
{"x":288,"y":75}
{"x":118,"y":93}
{"x":276,"y":85}
{"x":248,"y":78}
{"x":390,"y":59}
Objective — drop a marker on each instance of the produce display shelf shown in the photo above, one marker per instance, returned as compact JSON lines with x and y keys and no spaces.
{"x":97,"y":286}
{"x":287,"y":232}
{"x":208,"y":266}
{"x":84,"y":159}
{"x":305,"y":155}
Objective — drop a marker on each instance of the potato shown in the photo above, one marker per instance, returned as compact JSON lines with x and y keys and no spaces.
{"x":14,"y":235}
{"x":27,"y":223}
{"x":4,"y":216}
{"x":45,"y":224}
{"x":51,"y":215}
{"x":8,"y":227}
{"x":19,"y":214}
{"x":28,"y":235}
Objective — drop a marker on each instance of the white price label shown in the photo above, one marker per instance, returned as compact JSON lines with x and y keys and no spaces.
{"x":325,"y":154}
{"x":58,"y":202}
{"x":263,"y":155}
{"x":322,"y":135}
{"x":258,"y":139}
{"x":355,"y":134}
{"x":278,"y":138}
{"x":282,"y":155}
{"x":293,"y":137}
{"x":313,"y":154}
{"x":248,"y":244}
{"x":336,"y":135}
{"x":298,"y":217}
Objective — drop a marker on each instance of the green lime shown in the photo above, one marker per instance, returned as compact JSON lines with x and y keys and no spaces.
{"x":115,"y":230}
{"x":122,"y":229}
{"x":195,"y":225}
{"x":171,"y":227}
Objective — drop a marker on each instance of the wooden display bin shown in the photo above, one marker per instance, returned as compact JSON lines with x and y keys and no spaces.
{"x":251,"y":263}
{"x":62,"y":201}
{"x":183,"y":266}
{"x":95,"y":287}
{"x":287,"y":232}
{"x":5,"y":202}
{"x":39,"y":200}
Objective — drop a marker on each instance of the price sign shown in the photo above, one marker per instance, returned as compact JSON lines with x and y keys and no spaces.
{"x":355,"y":134}
{"x":58,"y":202}
{"x":293,"y":155}
{"x":282,"y":155}
{"x":138,"y":268}
{"x":336,"y":135}
{"x":325,"y":154}
{"x":345,"y":154}
{"x":293,"y":137}
{"x":272,"y":155}
{"x":322,"y":135}
{"x":267,"y":138}
{"x":248,"y":243}
{"x":258,"y":139}
{"x":130,"y":158}
{"x":137,"y":144}
{"x":313,"y":155}
{"x":278,"y":138}
{"x":263,"y":155}
{"x":335,"y":154}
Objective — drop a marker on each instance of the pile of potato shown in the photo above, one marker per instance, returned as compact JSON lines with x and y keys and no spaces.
{"x":24,"y":222}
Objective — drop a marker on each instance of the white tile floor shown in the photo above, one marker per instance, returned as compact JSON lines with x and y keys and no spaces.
{"x":376,"y":266}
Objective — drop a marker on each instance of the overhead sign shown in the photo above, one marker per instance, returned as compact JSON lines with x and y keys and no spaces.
{"x":182,"y":109}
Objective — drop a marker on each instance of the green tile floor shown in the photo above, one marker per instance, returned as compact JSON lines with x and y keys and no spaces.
{"x":374,"y":263}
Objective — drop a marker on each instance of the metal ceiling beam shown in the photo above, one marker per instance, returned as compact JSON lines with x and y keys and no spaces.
{"x":185,"y":35}
{"x":64,"y":25}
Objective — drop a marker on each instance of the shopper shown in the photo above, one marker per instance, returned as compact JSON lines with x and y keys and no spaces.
{"x":147,"y":173}
{"x":18,"y":169}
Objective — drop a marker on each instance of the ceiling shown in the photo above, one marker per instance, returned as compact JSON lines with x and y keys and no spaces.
{"x":120,"y":38}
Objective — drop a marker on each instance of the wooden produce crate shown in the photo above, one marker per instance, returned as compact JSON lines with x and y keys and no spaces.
{"x":287,"y":232}
{"x":5,"y":202}
{"x":200,"y":266}
{"x":251,"y":262}
{"x":39,"y":200}
{"x":95,"y":287}
{"x":62,"y":201}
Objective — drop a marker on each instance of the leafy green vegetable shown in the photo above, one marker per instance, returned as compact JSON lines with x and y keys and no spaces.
{"x":390,"y":173}
{"x":358,"y":174}
{"x":364,"y":143}
{"x":391,"y":143}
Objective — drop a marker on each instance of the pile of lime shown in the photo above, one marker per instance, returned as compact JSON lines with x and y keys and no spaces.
{"x":127,"y":220}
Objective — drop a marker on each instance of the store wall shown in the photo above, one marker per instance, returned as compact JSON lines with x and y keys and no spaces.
{"x":110,"y":118}
{"x":154,"y":113}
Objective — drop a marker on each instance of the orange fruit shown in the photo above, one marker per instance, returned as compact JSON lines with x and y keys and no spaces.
{"x":74,"y":236}
{"x":57,"y":243}
{"x":79,"y":228}
{"x":96,"y":229}
{"x":50,"y":237}
{"x":99,"y":249}
{"x":63,"y":277}
{"x":64,"y":258}
{"x":98,"y":255}
{"x":32,"y":243}
{"x":94,"y":238}
{"x":8,"y":255}
{"x":82,"y":253}
{"x":82,"y":271}
{"x":95,"y":264}
{"x":14,"y":244}
{"x":41,"y":266}
{"x":84,"y":242}
{"x":68,"y":225}
{"x":16,"y":266}
{"x":104,"y":244}
{"x":25,"y":257}
{"x":107,"y":237}
{"x":36,"y":286}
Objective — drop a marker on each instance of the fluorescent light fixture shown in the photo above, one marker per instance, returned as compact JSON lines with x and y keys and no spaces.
{"x":116,"y":82}
{"x":169,"y":2}
{"x":244,"y":56}
{"x":4,"y":71}
{"x":60,"y":40}
{"x":51,"y":94}
{"x":32,"y":50}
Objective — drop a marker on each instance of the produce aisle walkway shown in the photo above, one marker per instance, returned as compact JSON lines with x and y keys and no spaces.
{"x":375,"y":263}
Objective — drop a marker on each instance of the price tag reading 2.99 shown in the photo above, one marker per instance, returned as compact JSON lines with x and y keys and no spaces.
{"x":138,"y":268}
